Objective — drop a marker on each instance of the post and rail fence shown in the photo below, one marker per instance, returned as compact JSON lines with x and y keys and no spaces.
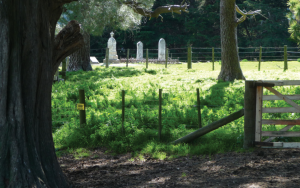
{"x":190,"y":55}
{"x":195,"y":54}
{"x":82,"y":107}
{"x":252,"y":112}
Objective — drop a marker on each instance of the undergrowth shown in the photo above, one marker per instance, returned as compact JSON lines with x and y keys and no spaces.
{"x":103,"y":94}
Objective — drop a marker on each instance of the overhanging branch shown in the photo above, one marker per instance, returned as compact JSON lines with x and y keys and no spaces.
{"x":245,"y":14}
{"x":158,"y":11}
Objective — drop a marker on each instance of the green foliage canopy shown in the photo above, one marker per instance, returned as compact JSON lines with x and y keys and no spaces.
{"x":95,"y":15}
{"x":294,"y":18}
{"x":201,"y":26}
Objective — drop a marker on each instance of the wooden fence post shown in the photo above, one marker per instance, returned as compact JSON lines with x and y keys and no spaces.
{"x":82,"y":115}
{"x":167,"y":55}
{"x":123,"y":111}
{"x":67,"y":62}
{"x":64,"y":69}
{"x":159,"y":114}
{"x":189,"y":63}
{"x":213,"y":58}
{"x":259,"y":62}
{"x":106,"y":57}
{"x":147,"y":56}
{"x":56,"y":76}
{"x":285,"y":58}
{"x":127,"y":57}
{"x":250,"y":113}
{"x":198,"y":107}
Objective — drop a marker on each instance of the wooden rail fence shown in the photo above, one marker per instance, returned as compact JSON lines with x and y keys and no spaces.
{"x":253,"y":126}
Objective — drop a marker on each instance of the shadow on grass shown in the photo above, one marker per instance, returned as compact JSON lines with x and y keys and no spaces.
{"x":102,"y":73}
{"x":217,"y":97}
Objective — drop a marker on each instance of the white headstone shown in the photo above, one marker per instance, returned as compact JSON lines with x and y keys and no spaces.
{"x":139,"y":52}
{"x":94,"y":60}
{"x":161,"y":49}
{"x":112,"y":45}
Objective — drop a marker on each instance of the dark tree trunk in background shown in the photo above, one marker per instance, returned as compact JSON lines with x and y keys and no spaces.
{"x":67,"y":41}
{"x":80,"y":60}
{"x":29,"y":56}
{"x":230,"y":69}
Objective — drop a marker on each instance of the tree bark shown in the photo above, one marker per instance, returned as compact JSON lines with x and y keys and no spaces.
{"x":230,"y":69}
{"x":67,"y":41}
{"x":28,"y":61}
{"x":80,"y":60}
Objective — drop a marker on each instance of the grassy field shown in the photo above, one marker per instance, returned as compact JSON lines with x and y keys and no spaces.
{"x":103,"y":97}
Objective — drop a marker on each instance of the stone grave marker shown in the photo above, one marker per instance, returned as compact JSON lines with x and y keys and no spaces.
{"x":161,"y":49}
{"x":94,"y":60}
{"x":112,"y":45}
{"x":139,"y":51}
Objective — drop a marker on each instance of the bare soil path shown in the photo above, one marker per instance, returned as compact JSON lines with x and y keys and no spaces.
{"x":258,"y":169}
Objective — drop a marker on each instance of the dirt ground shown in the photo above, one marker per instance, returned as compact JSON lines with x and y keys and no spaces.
{"x":258,"y":169}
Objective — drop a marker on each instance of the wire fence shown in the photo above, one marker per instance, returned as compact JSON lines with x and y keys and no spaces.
{"x":203,"y":54}
{"x":159,"y":109}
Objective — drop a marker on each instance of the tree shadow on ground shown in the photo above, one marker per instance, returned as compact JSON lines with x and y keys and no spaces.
{"x":217,"y":96}
{"x":232,"y":169}
{"x":102,"y":73}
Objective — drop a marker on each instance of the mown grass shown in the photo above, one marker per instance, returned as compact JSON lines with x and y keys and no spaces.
{"x":103,"y":99}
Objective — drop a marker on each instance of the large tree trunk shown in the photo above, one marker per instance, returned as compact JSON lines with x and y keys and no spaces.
{"x":27,"y":66}
{"x":80,"y":60}
{"x":230,"y":69}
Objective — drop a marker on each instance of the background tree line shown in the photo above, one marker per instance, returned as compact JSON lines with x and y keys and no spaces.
{"x":201,"y":27}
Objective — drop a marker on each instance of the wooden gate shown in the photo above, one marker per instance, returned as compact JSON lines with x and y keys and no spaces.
{"x":260,"y":110}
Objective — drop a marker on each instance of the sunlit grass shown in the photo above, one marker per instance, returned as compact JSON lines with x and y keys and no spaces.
{"x":103,"y":88}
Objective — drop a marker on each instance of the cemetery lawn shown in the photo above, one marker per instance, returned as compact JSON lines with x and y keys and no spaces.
{"x":103,"y":94}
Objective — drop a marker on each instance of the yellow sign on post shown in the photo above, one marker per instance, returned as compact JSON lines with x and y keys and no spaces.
{"x":80,"y":106}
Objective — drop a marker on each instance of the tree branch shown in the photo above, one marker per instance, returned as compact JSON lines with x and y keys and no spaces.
{"x":158,"y":11}
{"x":245,"y":14}
{"x":66,"y":42}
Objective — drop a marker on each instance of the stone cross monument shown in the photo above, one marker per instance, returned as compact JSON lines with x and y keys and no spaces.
{"x":161,"y":49}
{"x":112,"y":45}
{"x":139,"y":52}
